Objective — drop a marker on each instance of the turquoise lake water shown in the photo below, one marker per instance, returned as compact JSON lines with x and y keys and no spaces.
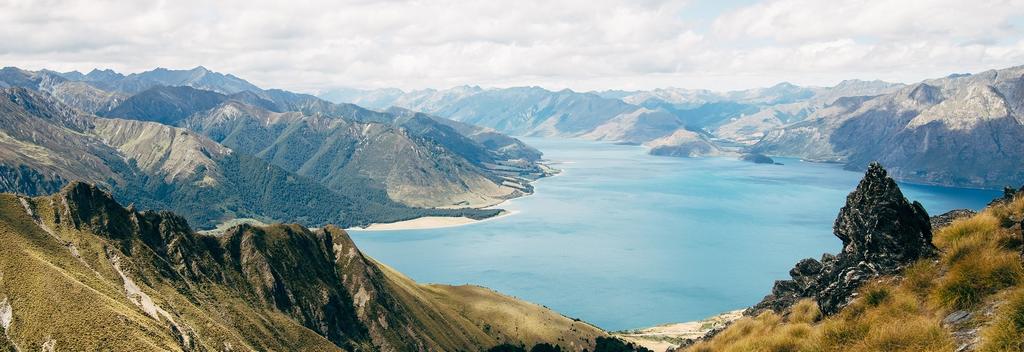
{"x":626,"y":240}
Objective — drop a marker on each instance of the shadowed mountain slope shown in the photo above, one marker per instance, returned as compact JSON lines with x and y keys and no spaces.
{"x":157,"y":166}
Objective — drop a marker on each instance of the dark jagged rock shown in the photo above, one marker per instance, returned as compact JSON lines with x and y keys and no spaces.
{"x":944,"y":219}
{"x":1008,"y":194}
{"x":89,"y":207}
{"x":881,"y":233}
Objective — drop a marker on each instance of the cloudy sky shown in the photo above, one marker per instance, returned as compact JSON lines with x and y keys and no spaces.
{"x":579,"y":44}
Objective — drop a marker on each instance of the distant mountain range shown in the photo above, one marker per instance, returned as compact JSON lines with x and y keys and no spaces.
{"x":962,"y":130}
{"x":965,"y":130}
{"x":175,"y":139}
{"x":624,"y":116}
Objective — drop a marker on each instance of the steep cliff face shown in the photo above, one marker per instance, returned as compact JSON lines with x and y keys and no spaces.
{"x":77,"y":260}
{"x":881,"y":233}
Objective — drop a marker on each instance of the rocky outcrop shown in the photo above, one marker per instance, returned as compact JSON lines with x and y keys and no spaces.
{"x":881,"y":232}
{"x":1008,"y":194}
{"x":944,"y":219}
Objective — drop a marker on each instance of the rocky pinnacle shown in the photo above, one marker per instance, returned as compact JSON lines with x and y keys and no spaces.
{"x":881,"y":232}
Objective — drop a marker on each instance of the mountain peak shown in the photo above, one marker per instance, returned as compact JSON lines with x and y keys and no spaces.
{"x":103,"y":71}
{"x":83,"y":192}
{"x":103,"y":75}
{"x":89,"y":207}
{"x":924,"y":93}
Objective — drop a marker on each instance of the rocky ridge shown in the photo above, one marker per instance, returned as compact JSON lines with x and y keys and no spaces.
{"x":154,"y":284}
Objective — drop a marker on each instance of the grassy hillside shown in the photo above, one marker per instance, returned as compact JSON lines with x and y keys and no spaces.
{"x":971,"y":297}
{"x":79,"y":272}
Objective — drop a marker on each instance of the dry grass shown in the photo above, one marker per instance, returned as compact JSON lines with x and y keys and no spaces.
{"x":805,"y":311}
{"x":80,"y":301}
{"x":980,"y":266}
{"x":981,"y":256}
{"x":513,"y":320}
{"x":1007,"y":331}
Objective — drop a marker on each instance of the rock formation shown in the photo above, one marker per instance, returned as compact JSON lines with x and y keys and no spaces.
{"x":944,"y":219}
{"x":1008,"y":194}
{"x":881,"y":233}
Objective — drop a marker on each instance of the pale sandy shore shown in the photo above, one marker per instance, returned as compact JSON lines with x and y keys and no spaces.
{"x":437,"y":222}
{"x":669,"y":336}
{"x":430,"y":222}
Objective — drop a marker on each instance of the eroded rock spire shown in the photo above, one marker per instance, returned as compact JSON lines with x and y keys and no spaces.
{"x":881,"y":232}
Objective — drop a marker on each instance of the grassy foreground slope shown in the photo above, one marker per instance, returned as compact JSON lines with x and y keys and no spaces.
{"x":968,"y":298}
{"x":80,"y":272}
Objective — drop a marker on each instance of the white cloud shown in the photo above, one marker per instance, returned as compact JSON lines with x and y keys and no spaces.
{"x":802,"y":20}
{"x":596,"y":44}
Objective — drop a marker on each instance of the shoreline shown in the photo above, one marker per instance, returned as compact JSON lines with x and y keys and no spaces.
{"x":429,"y":223}
{"x":673,"y":335}
{"x":441,"y":222}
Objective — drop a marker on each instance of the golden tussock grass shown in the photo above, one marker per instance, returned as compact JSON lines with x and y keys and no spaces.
{"x":979,"y":266}
{"x":1007,"y":331}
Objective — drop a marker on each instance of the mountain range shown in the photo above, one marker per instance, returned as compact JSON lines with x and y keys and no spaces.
{"x":174,"y":139}
{"x":960,"y":130}
{"x":939,"y":131}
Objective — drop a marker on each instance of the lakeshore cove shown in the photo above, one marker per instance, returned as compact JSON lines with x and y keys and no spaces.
{"x":626,"y":240}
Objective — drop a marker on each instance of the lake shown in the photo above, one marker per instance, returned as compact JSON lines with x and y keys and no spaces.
{"x":626,"y":240}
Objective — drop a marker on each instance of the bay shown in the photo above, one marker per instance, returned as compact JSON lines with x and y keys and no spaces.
{"x":625,"y":240}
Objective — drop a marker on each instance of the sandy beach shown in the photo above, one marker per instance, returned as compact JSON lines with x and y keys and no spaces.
{"x":670,"y":336}
{"x":430,"y":222}
{"x":437,"y":222}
